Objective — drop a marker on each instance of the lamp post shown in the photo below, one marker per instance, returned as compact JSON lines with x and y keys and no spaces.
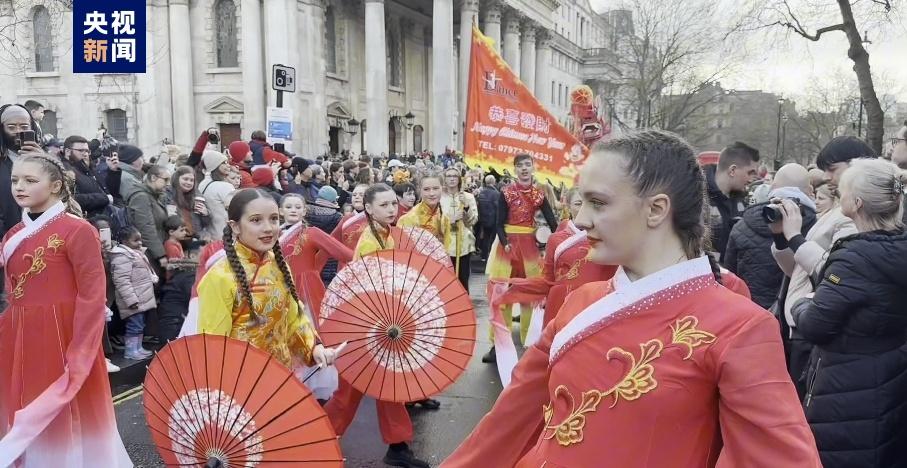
{"x":778,"y":136}
{"x":409,"y":120}
{"x":784,"y":120}
{"x":352,"y":128}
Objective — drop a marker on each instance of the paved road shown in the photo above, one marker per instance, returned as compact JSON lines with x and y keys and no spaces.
{"x":437,"y":432}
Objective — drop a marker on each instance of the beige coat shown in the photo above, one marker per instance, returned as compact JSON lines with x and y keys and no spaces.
{"x":133,"y":279}
{"x":811,"y":255}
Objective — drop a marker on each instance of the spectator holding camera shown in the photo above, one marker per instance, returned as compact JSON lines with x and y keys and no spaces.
{"x":801,"y":257}
{"x":748,"y":253}
{"x":856,"y":397}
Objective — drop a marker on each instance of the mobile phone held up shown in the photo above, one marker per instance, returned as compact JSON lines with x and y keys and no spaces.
{"x":27,"y":135}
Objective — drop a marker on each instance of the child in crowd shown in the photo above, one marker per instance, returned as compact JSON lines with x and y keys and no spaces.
{"x":102,"y":225}
{"x":134,"y":280}
{"x":292,"y":210}
{"x":176,"y":235}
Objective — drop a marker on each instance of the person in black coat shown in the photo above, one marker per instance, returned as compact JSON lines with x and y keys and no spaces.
{"x":89,"y":192}
{"x":726,"y":183}
{"x":487,"y":205}
{"x":856,"y":395}
{"x":748,"y":253}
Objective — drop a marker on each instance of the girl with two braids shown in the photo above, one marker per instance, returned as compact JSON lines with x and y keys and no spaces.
{"x":249,"y":293}
{"x":54,"y":392}
{"x":659,"y":366}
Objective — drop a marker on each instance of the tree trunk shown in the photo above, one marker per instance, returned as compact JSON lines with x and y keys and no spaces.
{"x":875,"y":117}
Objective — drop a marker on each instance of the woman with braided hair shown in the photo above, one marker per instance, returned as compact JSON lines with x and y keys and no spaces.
{"x":54,"y":393}
{"x":659,"y":366}
{"x":249,"y":294}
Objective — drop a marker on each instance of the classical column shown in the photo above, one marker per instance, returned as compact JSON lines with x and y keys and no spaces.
{"x":375,"y":78}
{"x":512,"y":42}
{"x":183,"y":100}
{"x":276,"y":50}
{"x":469,"y":11}
{"x":527,"y":57}
{"x":253,"y":71}
{"x":492,"y":24}
{"x":443,"y":101}
{"x":542,"y":67}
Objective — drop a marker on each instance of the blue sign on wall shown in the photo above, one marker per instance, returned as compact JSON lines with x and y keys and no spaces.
{"x":108,"y":36}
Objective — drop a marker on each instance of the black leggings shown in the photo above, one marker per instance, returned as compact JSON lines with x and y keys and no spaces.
{"x":464,"y":269}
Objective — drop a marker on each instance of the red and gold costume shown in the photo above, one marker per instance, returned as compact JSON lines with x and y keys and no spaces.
{"x":55,"y":401}
{"x":516,"y":228}
{"x":393,"y":420}
{"x":349,"y":229}
{"x":567,"y":266}
{"x":669,"y":370}
{"x":306,"y":251}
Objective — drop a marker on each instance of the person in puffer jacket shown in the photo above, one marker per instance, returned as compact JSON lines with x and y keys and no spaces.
{"x":856,"y":382}
{"x":134,"y":280}
{"x":749,"y":253}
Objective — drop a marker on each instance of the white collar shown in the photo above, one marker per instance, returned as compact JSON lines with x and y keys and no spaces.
{"x":30,"y":228}
{"x":625,"y":294}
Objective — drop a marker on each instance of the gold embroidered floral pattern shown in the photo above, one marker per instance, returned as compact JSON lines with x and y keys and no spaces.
{"x":573,"y":272}
{"x":570,"y":431}
{"x":638,"y":381}
{"x":641,"y":377}
{"x":37,"y":264}
{"x":299,"y":244}
{"x":685,"y":333}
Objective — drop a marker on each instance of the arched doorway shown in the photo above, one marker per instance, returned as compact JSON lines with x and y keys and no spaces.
{"x":392,"y":130}
{"x":417,"y":139}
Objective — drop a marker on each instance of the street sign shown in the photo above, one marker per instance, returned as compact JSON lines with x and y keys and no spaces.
{"x":280,"y":126}
{"x":283,"y":78}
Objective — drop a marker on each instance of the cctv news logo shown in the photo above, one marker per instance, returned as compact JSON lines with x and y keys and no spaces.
{"x":108,"y":36}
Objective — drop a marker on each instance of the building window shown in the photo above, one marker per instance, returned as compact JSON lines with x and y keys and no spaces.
{"x":225,"y":29}
{"x":49,"y":124}
{"x":117,"y":125}
{"x":394,"y":59}
{"x":44,"y":40}
{"x":330,"y":40}
{"x":560,"y":94}
{"x":417,"y":138}
{"x":552,"y":92}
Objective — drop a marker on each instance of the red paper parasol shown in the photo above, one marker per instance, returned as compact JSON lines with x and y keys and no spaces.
{"x":214,"y":401}
{"x":422,"y":241}
{"x":410,"y":325}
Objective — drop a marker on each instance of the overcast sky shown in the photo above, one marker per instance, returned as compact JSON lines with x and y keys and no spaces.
{"x":785,"y":65}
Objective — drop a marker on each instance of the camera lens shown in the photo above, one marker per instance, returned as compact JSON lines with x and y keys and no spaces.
{"x":771,"y":213}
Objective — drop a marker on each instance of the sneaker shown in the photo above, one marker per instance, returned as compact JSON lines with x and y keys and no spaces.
{"x":428,"y":403}
{"x":403,"y":457}
{"x":490,"y":357}
{"x":111,"y":367}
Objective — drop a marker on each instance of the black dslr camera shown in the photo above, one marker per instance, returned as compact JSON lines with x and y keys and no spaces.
{"x":771,"y":213}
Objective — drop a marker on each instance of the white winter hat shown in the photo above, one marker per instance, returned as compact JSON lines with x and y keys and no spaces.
{"x":212,"y":160}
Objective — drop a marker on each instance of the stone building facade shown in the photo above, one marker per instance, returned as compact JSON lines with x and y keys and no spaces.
{"x":370,"y":61}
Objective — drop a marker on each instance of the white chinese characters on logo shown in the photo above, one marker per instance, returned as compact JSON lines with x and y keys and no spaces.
{"x":123,"y":50}
{"x":123,"y":22}
{"x":496,"y":113}
{"x":95,"y":21}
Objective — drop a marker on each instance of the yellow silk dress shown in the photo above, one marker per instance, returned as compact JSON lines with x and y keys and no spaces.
{"x":285,"y":332}
{"x":433,"y":221}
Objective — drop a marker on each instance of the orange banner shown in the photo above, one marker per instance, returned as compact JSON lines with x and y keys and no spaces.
{"x":503,"y":119}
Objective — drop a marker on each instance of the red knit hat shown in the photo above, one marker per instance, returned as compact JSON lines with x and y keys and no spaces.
{"x":270,"y":156}
{"x":245,"y":179}
{"x":238,"y":151}
{"x":263,"y":177}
